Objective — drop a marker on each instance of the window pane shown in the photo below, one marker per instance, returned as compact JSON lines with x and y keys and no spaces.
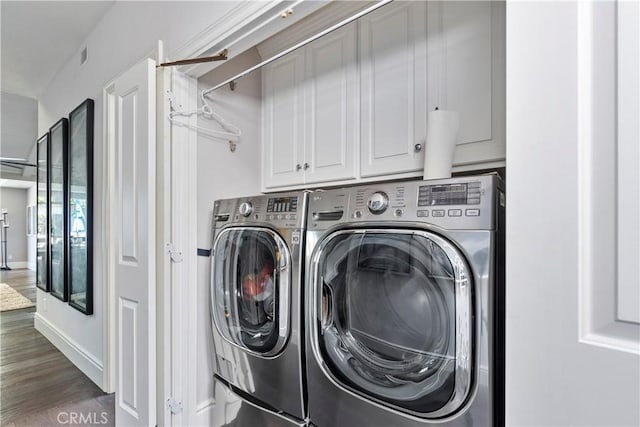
{"x":56,"y":210}
{"x":78,"y":210}
{"x":42,"y":260}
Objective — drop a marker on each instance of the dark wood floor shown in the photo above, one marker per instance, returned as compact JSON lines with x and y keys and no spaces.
{"x":39,"y":386}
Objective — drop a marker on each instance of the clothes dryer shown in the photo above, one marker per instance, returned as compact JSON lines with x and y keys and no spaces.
{"x":256,"y":301}
{"x":405,"y":304}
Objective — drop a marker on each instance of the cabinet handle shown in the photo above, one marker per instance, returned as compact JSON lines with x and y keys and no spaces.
{"x":306,"y":166}
{"x":298,"y":167}
{"x":417,"y":148}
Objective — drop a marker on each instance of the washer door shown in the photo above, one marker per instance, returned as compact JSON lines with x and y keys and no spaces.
{"x":392,"y":318}
{"x":250,"y":289}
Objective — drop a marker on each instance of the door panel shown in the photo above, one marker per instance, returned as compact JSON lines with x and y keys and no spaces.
{"x":331,"y":107}
{"x":628,"y":44}
{"x":466,"y":40}
{"x":131,"y":124}
{"x":283,"y":126}
{"x":394,"y":88}
{"x":127,"y":341}
{"x":466,"y":74}
{"x":128,"y":146}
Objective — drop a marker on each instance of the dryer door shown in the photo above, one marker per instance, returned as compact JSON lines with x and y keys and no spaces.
{"x":392,"y":319}
{"x":250,"y":289}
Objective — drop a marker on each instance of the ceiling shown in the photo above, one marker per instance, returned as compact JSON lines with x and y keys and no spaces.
{"x":39,"y":37}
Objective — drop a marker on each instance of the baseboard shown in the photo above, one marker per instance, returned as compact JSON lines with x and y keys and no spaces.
{"x":83,"y":360}
{"x":16,"y":265}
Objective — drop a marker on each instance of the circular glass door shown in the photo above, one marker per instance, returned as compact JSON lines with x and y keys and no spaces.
{"x":393,"y":313}
{"x":250,"y":289}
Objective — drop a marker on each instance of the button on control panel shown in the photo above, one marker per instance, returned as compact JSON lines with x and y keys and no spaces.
{"x":438,"y":213}
{"x":455,"y":212}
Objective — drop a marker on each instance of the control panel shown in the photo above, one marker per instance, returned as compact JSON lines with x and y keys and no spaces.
{"x":465,"y":193}
{"x":456,"y":203}
{"x":282,"y":211}
{"x":282,"y":204}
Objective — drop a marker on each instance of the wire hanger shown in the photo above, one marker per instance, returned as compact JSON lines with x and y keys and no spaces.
{"x":231,"y":133}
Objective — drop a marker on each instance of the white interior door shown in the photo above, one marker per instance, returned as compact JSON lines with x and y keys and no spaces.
{"x":131,"y":121}
{"x":572,"y":298}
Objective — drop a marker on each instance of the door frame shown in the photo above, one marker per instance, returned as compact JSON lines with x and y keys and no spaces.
{"x":108,"y":291}
{"x":171,"y":164}
{"x":236,"y":31}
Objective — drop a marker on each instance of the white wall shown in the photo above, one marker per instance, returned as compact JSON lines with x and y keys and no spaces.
{"x":128,"y":32}
{"x":223,"y":174}
{"x":564,"y":365}
{"x":19,"y":125}
{"x":14,"y":200}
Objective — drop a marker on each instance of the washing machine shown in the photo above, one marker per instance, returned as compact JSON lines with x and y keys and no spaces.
{"x":405,"y":304}
{"x":256,"y":267}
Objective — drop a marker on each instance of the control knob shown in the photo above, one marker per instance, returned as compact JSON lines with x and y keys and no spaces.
{"x":245,"y":209}
{"x":378,"y":202}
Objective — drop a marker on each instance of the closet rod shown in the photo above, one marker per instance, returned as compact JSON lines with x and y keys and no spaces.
{"x":299,"y":45}
{"x":222,"y":56}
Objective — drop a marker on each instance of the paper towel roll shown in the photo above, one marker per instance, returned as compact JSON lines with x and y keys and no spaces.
{"x":442,"y":134}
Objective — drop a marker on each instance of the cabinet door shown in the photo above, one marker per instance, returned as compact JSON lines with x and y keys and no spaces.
{"x":393,"y":88}
{"x":467,"y":74}
{"x":330,"y":115}
{"x":283,"y":121}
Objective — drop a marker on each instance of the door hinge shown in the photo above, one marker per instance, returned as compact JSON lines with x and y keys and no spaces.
{"x":175,"y":406}
{"x":176,"y":256}
{"x":172,"y":101}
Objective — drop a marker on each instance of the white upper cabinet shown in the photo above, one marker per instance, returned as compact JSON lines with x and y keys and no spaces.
{"x":393,"y":73}
{"x":330,"y":117}
{"x":310,"y":113}
{"x":283,"y":154}
{"x":353,"y":105}
{"x":467,"y":74}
